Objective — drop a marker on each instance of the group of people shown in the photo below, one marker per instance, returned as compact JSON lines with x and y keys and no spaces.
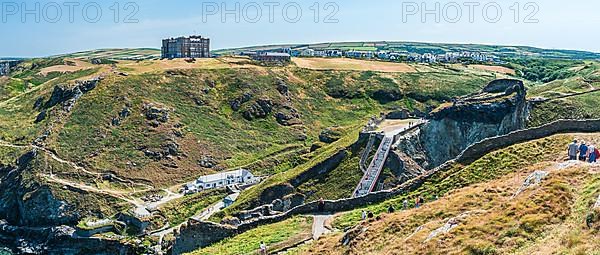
{"x":584,"y":152}
{"x":418,"y":202}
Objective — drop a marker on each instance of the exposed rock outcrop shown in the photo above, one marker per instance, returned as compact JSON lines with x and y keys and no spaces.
{"x":236,"y":104}
{"x":288,"y":116}
{"x":156,"y":115}
{"x":531,"y":180}
{"x":258,"y":110}
{"x":283,"y":88}
{"x":58,"y":240}
{"x":329,"y":135}
{"x":386,"y":96}
{"x":67,"y":96}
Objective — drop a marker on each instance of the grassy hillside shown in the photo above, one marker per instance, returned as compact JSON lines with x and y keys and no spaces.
{"x":491,"y":166}
{"x":583,"y":82}
{"x":548,"y":218}
{"x":275,"y":236}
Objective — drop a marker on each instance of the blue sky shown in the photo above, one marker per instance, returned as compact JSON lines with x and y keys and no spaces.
{"x":565,"y":25}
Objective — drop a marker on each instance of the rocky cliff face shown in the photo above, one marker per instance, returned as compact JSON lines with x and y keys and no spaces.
{"x":25,"y":202}
{"x":33,"y":220}
{"x":500,"y":108}
{"x":6,"y":66}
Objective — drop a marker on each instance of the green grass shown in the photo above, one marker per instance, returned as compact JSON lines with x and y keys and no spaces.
{"x":337,"y":184}
{"x":489,"y":167}
{"x":11,"y":88}
{"x":179,"y":210}
{"x":249,"y":242}
{"x":580,"y":107}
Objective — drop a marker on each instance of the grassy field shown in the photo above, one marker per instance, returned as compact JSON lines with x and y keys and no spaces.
{"x":352,"y":64}
{"x":340,"y":182}
{"x":275,"y":236}
{"x":117,"y":54}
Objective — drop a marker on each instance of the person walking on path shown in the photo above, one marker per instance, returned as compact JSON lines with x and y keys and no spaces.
{"x":321,"y":205}
{"x":405,"y":204}
{"x":583,"y":151}
{"x":391,"y":209}
{"x":363,"y":215}
{"x":417,"y":202}
{"x":572,"y":150}
{"x":263,"y":248}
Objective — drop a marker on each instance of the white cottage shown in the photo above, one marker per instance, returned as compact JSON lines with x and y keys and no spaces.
{"x":241,"y":176}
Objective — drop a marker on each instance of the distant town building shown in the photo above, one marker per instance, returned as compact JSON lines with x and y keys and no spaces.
{"x":308,"y":53}
{"x":271,"y":57}
{"x":186,"y":47}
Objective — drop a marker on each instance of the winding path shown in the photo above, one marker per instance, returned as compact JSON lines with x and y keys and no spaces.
{"x":53,"y":178}
{"x":318,"y":227}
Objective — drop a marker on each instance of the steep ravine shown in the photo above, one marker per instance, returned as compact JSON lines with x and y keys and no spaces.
{"x":501,"y":107}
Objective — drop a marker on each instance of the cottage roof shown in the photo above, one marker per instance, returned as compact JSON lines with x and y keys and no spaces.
{"x":223,"y":176}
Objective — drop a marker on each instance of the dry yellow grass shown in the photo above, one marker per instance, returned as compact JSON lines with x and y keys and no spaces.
{"x":496,"y":69}
{"x":77,"y":65}
{"x":352,"y":64}
{"x":147,"y":66}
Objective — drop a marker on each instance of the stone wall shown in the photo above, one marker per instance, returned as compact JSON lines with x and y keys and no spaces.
{"x":479,"y":149}
{"x":196,"y":235}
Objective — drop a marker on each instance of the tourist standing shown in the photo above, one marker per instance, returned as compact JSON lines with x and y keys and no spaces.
{"x":583,"y":151}
{"x":417,"y":202}
{"x":572,"y":150}
{"x":363,"y":215}
{"x":405,"y":204}
{"x":592,"y":154}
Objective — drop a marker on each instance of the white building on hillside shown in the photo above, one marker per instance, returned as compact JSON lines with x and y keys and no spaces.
{"x":219,"y":180}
